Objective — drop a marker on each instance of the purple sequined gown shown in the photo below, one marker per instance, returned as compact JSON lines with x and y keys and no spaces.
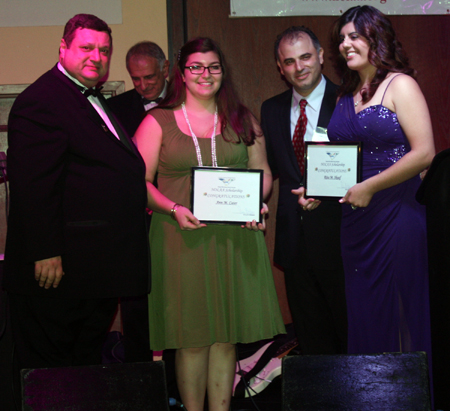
{"x":384,"y":244}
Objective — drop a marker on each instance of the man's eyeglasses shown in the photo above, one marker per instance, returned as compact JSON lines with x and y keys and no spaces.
{"x":216,"y":69}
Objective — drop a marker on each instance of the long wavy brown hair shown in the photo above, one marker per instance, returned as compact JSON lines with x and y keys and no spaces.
{"x":231,"y":111}
{"x":385,"y":53}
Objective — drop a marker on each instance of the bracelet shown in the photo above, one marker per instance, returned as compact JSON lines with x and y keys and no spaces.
{"x":173,"y":210}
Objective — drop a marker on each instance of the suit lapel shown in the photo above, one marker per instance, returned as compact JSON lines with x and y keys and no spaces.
{"x":285,"y":119}
{"x":96,"y":118}
{"x":328,"y":104}
{"x":92,"y":112}
{"x":120,"y":132}
{"x":137,"y":105}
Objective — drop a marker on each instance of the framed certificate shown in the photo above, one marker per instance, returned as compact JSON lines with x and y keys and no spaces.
{"x":221,"y":195}
{"x":331,"y":168}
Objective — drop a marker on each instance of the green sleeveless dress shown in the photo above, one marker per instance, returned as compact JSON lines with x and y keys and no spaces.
{"x":213,"y":284}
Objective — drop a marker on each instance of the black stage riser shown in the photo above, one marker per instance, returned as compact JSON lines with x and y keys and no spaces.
{"x":393,"y":381}
{"x":115,"y":387}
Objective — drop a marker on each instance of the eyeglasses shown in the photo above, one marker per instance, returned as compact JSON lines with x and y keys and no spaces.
{"x":216,"y":69}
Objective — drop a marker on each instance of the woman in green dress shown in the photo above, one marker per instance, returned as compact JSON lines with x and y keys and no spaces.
{"x":212,"y":285}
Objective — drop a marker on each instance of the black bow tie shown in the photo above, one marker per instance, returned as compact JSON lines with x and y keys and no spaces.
{"x":146,"y":101}
{"x":92,"y":91}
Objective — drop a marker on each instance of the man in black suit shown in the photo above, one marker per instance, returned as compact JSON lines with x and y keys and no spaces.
{"x":307,"y":242}
{"x":77,"y":236}
{"x":148,"y":69}
{"x":435,"y":194}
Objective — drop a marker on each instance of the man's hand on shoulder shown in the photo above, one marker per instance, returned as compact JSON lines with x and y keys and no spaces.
{"x":48,"y":272}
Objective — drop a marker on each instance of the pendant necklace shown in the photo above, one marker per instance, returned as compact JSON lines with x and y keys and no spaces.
{"x":359,"y":101}
{"x":195,"y":140}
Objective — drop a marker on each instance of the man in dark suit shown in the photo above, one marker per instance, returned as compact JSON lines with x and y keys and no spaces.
{"x":77,"y":236}
{"x":307,"y":242}
{"x":148,"y":69}
{"x":435,"y":194}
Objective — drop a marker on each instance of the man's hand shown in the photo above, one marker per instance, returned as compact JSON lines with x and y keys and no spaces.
{"x":48,"y":272}
{"x":307,"y":204}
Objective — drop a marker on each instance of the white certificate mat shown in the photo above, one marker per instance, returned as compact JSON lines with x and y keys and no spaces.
{"x":331,"y":168}
{"x":226,"y":195}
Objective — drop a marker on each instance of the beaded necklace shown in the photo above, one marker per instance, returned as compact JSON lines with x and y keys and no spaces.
{"x":195,"y":140}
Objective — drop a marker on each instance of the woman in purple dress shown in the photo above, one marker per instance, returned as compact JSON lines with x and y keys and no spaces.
{"x":383,"y":228}
{"x":383,"y":233}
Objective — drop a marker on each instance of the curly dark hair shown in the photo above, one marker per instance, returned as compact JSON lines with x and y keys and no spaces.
{"x":385,"y":53}
{"x":231,"y":110}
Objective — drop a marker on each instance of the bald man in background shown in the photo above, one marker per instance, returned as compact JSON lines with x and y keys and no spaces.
{"x":148,"y":69}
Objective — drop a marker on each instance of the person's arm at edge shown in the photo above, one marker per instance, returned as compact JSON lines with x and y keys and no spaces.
{"x":31,"y":141}
{"x":257,"y":159}
{"x":148,"y":138}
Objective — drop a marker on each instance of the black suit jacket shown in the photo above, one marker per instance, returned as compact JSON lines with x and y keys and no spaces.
{"x":76,"y":191}
{"x":321,"y":226}
{"x":128,"y":109}
{"x":434,"y":192}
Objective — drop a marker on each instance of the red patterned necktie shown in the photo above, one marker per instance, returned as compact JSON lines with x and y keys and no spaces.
{"x":299,"y":134}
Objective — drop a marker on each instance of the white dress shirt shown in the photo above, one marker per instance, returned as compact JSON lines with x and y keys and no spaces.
{"x":153,"y":103}
{"x":312,"y":112}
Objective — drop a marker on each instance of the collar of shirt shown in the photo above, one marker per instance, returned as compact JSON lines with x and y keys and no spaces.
{"x":162,"y":95}
{"x":93,"y":100}
{"x":312,"y":109}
